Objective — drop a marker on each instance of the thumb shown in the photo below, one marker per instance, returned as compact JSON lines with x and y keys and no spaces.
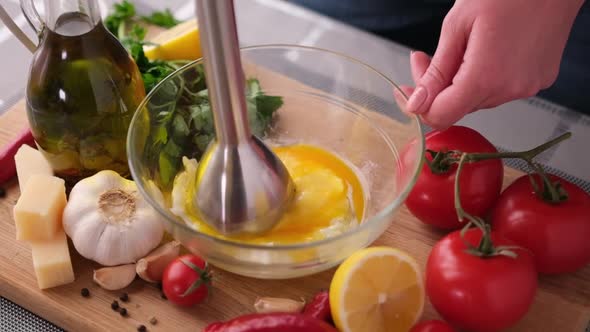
{"x":442,"y":68}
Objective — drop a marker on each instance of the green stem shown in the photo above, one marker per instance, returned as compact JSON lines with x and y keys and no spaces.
{"x":458,"y":207}
{"x":525,"y":155}
{"x":486,"y":247}
{"x":461,"y":213}
{"x":554,"y":195}
{"x":121,"y":31}
{"x":441,"y":161}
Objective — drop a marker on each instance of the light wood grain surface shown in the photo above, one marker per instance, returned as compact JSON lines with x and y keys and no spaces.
{"x":562,"y":303}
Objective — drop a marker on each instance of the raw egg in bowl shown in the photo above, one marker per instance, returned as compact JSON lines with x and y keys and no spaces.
{"x":334,"y":122}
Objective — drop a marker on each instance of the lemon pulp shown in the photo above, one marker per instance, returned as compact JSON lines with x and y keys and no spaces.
{"x":378,"y":289}
{"x":329,"y":198}
{"x":181,"y":42}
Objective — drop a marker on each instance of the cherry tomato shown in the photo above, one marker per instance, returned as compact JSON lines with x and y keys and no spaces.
{"x":557,"y":234}
{"x":433,"y":325}
{"x":432,"y":198}
{"x":479,"y":294}
{"x":186,"y":280}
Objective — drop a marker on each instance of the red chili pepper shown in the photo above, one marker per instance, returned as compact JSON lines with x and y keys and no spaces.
{"x":213,"y":327}
{"x":7,"y":164}
{"x":272,"y":322}
{"x":319,"y":307}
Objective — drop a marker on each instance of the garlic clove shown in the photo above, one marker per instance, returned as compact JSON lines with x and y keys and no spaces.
{"x":115,"y":277}
{"x":275,"y":304}
{"x":151,"y":268}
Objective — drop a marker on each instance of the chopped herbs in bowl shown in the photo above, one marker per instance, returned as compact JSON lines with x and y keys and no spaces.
{"x":183,"y":123}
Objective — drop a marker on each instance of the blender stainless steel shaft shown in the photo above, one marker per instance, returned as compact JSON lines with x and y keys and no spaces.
{"x":241,"y":185}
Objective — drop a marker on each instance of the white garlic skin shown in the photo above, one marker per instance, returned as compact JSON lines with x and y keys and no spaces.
{"x":117,"y":236}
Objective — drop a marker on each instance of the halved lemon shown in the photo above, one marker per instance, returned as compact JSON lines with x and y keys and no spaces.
{"x":181,"y":42}
{"x":377,"y":289}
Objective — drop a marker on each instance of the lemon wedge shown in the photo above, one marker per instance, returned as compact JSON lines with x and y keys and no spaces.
{"x":180,"y":42}
{"x":377,"y":289}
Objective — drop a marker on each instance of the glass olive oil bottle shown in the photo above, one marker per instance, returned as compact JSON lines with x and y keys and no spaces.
{"x":82,"y":92}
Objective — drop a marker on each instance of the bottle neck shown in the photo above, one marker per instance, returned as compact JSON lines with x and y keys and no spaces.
{"x":71,"y":17}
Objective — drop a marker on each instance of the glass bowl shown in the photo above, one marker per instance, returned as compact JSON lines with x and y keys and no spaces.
{"x":329,"y":100}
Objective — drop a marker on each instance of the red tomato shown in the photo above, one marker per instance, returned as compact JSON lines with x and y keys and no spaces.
{"x":432,"y":198}
{"x":558,"y":235}
{"x":434,"y":325}
{"x":479,"y":294}
{"x":186,"y":280}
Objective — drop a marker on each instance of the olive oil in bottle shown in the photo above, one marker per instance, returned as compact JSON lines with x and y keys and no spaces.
{"x":82,"y":92}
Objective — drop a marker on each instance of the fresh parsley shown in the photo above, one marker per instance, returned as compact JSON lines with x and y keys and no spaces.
{"x":121,"y":14}
{"x":126,"y":25}
{"x":164,"y":19}
{"x":183,"y":123}
{"x":124,"y":15}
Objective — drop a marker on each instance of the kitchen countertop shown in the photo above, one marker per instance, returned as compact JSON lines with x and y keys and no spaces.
{"x":517,"y":125}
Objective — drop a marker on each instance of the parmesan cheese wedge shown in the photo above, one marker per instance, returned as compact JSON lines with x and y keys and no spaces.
{"x":30,"y":161}
{"x":38,"y":211}
{"x":52,"y":263}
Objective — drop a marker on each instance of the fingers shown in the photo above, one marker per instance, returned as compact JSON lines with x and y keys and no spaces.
{"x":400,"y":95}
{"x":442,"y":68}
{"x":419,"y":62}
{"x":407,"y":90}
{"x":445,"y":109}
{"x":462,"y":97}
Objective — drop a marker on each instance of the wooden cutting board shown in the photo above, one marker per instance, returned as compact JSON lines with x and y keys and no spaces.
{"x":562,"y":303}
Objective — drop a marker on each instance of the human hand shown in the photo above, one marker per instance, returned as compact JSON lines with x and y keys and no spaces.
{"x":490,"y":52}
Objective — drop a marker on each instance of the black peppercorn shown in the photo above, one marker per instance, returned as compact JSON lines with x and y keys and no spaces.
{"x":124,"y":297}
{"x":115,"y":305}
{"x":2,"y":192}
{"x":85,"y":292}
{"x":141,"y":328}
{"x":123,"y":312}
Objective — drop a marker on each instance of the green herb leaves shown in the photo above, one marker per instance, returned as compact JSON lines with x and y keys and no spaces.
{"x":183,"y":122}
{"x":122,"y":12}
{"x":164,"y":19}
{"x":184,"y":125}
{"x":124,"y":23}
{"x":263,"y":105}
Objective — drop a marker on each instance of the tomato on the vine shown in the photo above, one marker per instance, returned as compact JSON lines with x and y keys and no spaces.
{"x":186,"y":280}
{"x":433,"y":325}
{"x":432,"y":198}
{"x":479,"y":293}
{"x":557,"y":233}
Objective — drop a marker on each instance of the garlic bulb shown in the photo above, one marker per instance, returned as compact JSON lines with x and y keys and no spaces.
{"x":109,"y":222}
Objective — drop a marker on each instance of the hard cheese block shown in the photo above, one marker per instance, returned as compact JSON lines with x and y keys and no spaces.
{"x":30,"y":161}
{"x":52,"y":263}
{"x":38,"y":211}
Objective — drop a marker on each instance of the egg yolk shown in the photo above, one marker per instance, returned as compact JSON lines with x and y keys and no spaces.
{"x":329,"y":199}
